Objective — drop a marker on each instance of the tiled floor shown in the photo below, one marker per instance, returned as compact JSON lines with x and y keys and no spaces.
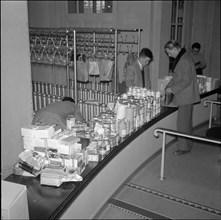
{"x":191,"y":189}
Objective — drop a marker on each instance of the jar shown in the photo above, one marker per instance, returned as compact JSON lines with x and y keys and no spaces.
{"x":102,"y":152}
{"x":122,"y":128}
{"x":107,"y":144}
{"x":106,"y":127}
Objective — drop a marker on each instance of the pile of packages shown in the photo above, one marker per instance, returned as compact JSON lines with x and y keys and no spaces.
{"x":207,"y":84}
{"x":57,"y":156}
{"x":60,"y":156}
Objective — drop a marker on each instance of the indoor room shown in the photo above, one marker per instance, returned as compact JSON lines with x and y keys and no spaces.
{"x":139,"y":81}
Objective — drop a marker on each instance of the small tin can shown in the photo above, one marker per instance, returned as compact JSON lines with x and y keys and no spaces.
{"x":107,"y":130}
{"x":102,"y":152}
{"x":87,"y":134}
{"x":107,"y":144}
{"x":70,"y":121}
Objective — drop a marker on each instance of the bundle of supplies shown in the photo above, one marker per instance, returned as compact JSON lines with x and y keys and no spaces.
{"x":62,"y":156}
{"x":31,"y":162}
{"x":49,"y":152}
{"x":55,"y":177}
{"x":207,"y":84}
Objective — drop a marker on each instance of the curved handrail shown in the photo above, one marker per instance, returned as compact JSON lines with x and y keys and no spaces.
{"x":177,"y":133}
{"x":211,"y":109}
{"x":211,"y":102}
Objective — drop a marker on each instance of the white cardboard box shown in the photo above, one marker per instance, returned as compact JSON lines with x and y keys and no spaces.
{"x":14,"y":201}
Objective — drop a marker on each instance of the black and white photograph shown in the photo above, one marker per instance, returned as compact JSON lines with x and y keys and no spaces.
{"x":110,"y":109}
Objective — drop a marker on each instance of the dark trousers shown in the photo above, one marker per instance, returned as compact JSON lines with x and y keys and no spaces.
{"x":185,"y":124}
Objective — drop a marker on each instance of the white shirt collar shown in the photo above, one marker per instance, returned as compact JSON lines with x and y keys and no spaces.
{"x":141,"y":67}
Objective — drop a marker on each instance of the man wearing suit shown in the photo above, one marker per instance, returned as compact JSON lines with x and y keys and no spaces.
{"x":198,"y":58}
{"x":186,"y":92}
{"x":137,"y":74}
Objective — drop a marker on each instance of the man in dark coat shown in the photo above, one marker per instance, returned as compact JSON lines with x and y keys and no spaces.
{"x":186,"y":92}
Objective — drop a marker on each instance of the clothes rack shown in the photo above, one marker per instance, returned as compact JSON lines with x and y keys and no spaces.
{"x":60,"y":47}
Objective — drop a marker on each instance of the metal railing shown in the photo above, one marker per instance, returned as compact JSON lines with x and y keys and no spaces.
{"x":176,"y":133}
{"x":211,"y":102}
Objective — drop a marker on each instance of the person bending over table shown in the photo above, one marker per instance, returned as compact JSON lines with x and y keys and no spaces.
{"x":57,"y":112}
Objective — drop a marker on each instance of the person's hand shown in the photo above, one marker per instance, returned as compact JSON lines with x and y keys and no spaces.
{"x":168,"y":90}
{"x":197,"y":65}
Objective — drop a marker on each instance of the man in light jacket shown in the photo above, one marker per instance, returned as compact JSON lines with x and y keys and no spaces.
{"x":198,"y":58}
{"x":137,"y":74}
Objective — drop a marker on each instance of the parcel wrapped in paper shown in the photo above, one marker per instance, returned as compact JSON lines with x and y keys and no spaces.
{"x":22,"y":169}
{"x":55,"y":177}
{"x":33,"y":159}
{"x":28,"y":168}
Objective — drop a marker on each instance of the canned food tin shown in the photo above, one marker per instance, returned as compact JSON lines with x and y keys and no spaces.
{"x":102,"y":150}
{"x":87,"y":134}
{"x":94,"y":142}
{"x":70,"y":121}
{"x":100,"y":142}
{"x":107,"y":130}
{"x":107,"y":144}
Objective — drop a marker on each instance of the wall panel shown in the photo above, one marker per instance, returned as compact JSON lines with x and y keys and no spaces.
{"x":16,"y":91}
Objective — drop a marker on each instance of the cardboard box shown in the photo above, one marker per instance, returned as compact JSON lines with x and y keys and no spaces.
{"x":44,"y":132}
{"x":28,"y":131}
{"x":14,"y":201}
{"x":162,"y":83}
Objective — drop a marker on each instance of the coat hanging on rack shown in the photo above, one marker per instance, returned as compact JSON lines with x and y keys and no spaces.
{"x":82,"y":71}
{"x":131,"y":57}
{"x":94,"y":67}
{"x":106,"y":69}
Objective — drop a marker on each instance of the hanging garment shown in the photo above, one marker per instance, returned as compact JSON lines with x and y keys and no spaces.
{"x":131,"y":57}
{"x":94,"y":68}
{"x":82,"y":71}
{"x":106,"y":69}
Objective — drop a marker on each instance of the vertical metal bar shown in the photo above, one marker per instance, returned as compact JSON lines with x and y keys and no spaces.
{"x":50,"y":88}
{"x":162,"y":158}
{"x":39,"y":101}
{"x":139,"y":40}
{"x":59,"y":90}
{"x":53,"y":76}
{"x":67,"y":67}
{"x":94,"y":41}
{"x":183,"y":21}
{"x":39,"y":87}
{"x":54,"y":89}
{"x":176,"y":25}
{"x":49,"y":99}
{"x":44,"y":101}
{"x":34,"y":86}
{"x":35,"y":101}
{"x":75,"y":69}
{"x":53,"y":98}
{"x":46,"y":88}
{"x":115,"y":65}
{"x":63,"y":90}
{"x":72,"y":92}
{"x":210,"y":115}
